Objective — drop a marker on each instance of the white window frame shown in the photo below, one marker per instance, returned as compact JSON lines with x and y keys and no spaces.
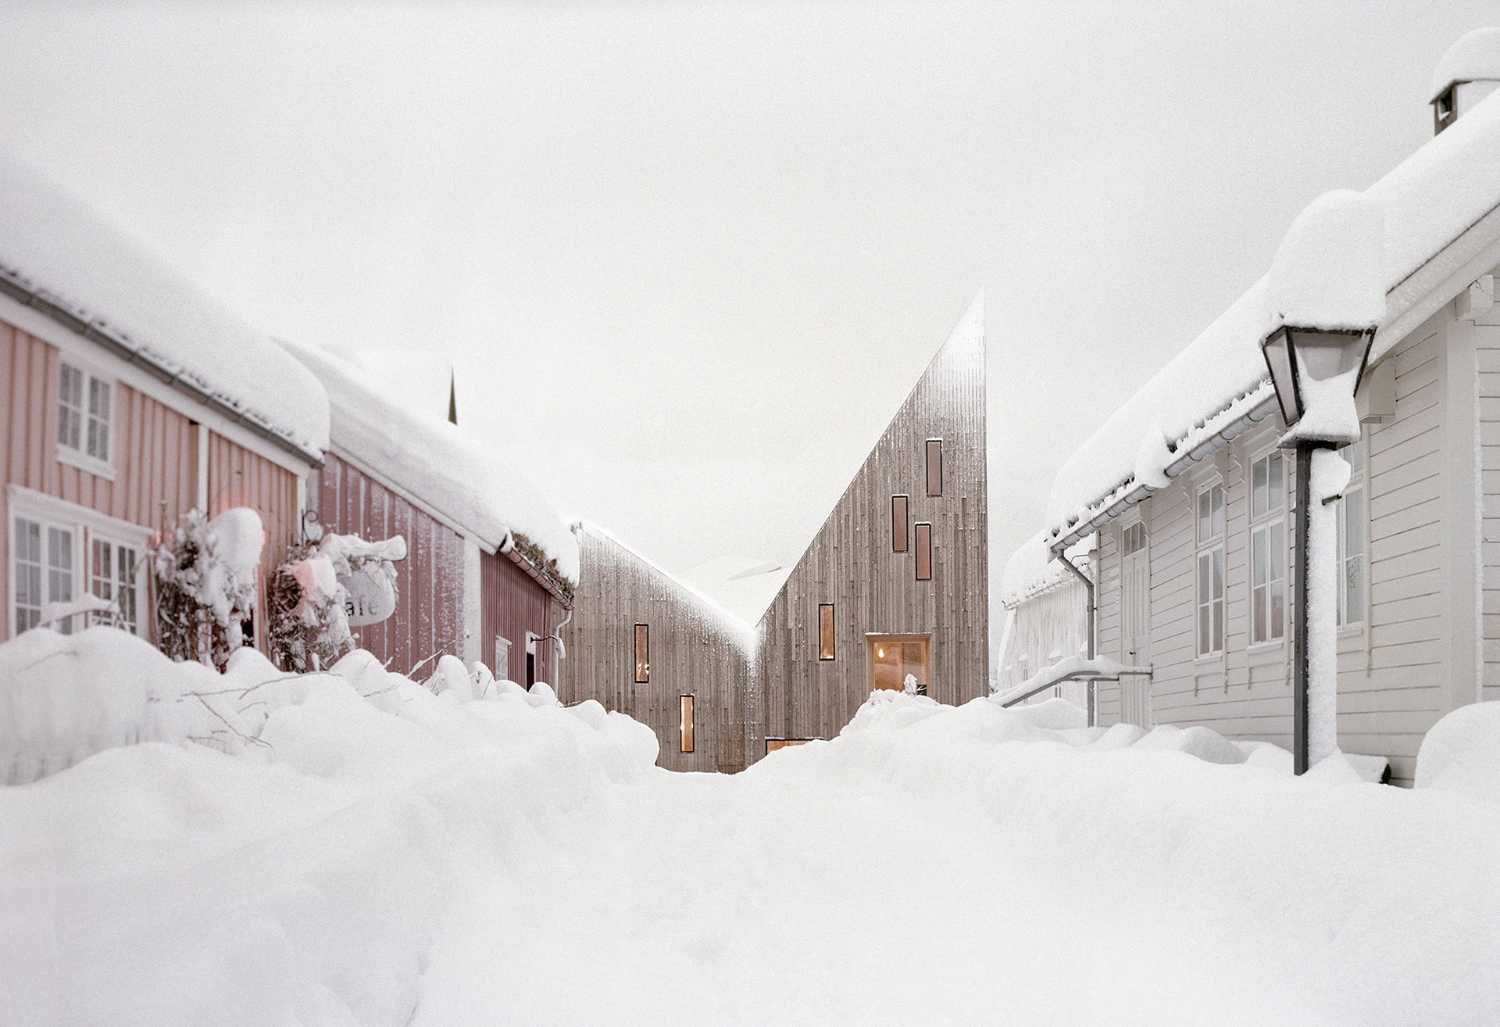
{"x":1357,"y":478}
{"x":1263,"y":523}
{"x":79,"y":456}
{"x":86,"y":525}
{"x":1207,"y":547}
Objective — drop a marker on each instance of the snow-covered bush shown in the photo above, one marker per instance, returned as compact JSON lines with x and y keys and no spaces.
{"x":206,"y":584}
{"x":310,"y":608}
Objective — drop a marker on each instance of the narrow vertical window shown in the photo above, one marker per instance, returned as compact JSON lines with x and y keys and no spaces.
{"x":924,"y":551}
{"x":900,"y":515}
{"x":98,"y":431}
{"x":112,"y":576}
{"x":27,"y":566}
{"x":1268,"y":549}
{"x":825,"y":631}
{"x":502,"y":658}
{"x":1351,"y":541}
{"x":1210,"y":577}
{"x":685,"y":722}
{"x":70,"y":407}
{"x":934,"y":467}
{"x":642,"y":654}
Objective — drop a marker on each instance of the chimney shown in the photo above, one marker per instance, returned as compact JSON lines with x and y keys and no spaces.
{"x":1466,"y":74}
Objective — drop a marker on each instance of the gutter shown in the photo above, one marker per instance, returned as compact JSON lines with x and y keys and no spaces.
{"x":10,"y":286}
{"x":1185,"y":460}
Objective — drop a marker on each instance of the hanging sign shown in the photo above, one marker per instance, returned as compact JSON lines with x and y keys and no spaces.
{"x":370,"y":595}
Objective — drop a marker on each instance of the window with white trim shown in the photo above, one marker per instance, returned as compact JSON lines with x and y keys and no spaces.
{"x":42,"y":571}
{"x":1210,"y":586}
{"x":1351,"y":540}
{"x":59,"y":551}
{"x":113,"y":567}
{"x":1268,"y":548}
{"x":84,"y":405}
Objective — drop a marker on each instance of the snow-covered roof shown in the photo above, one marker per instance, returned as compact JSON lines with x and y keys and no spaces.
{"x":464,"y":480}
{"x":1447,"y":190}
{"x":56,"y":252}
{"x":1031,"y":570}
{"x":740,"y":632}
{"x":1476,"y":56}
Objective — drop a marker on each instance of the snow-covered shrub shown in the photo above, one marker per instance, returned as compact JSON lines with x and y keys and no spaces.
{"x":310,"y":608}
{"x":206,"y":583}
{"x":308,"y":627}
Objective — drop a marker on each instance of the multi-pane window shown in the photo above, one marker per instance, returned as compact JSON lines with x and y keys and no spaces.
{"x":84,"y":404}
{"x":934,"y":467}
{"x":1268,"y":548}
{"x":43,"y":571}
{"x":1210,"y":591}
{"x":112,"y":576}
{"x":923,"y":532}
{"x":685,"y":722}
{"x":900,"y":514}
{"x":825,"y":631}
{"x":642,"y":654}
{"x":1133,"y":539}
{"x":1351,"y":541}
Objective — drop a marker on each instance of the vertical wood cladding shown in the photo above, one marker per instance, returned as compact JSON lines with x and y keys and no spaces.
{"x":154,"y":459}
{"x":851,"y":562}
{"x":694,"y":650}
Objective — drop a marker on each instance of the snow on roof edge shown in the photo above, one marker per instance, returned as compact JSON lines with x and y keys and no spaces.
{"x":1031,"y":569}
{"x":1474,"y":56}
{"x":58,"y":249}
{"x":443,"y":468}
{"x":743,"y":632}
{"x":1430,"y":200}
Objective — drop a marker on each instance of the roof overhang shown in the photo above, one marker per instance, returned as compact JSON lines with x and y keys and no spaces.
{"x":17,"y":290}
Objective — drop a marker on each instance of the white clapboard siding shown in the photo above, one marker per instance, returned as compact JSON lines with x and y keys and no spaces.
{"x":1487,"y":359}
{"x":1392,"y":670}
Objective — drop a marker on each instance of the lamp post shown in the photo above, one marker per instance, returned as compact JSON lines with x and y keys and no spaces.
{"x":1315,"y":372}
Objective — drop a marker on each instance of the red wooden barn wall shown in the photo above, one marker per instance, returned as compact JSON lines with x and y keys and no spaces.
{"x":155,"y":459}
{"x":514,"y":603}
{"x":429,"y":611}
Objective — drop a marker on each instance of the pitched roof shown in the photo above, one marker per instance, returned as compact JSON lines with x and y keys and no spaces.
{"x":61,"y":257}
{"x":468,"y":483}
{"x":1442,"y":216}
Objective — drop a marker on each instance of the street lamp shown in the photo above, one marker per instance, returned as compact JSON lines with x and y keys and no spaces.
{"x":1315,"y":372}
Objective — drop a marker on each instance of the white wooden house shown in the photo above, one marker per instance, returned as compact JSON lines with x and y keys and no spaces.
{"x":1192,"y":573}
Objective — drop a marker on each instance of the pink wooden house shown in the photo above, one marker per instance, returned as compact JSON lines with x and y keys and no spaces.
{"x":128,"y":398}
{"x":490,"y":567}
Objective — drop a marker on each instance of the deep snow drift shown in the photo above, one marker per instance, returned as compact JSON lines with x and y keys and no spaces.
{"x":466,"y":852}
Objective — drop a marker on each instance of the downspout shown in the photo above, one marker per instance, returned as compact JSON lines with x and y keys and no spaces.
{"x":1088,"y":588}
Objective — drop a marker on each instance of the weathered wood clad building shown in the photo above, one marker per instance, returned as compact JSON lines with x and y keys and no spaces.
{"x":896,"y":581}
{"x":1195,"y":577}
{"x":471,"y":584}
{"x":643,"y":643}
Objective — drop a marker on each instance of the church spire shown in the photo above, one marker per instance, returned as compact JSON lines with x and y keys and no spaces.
{"x":452,"y":396}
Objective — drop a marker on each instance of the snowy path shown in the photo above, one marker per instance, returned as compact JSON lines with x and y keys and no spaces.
{"x":415,"y":858}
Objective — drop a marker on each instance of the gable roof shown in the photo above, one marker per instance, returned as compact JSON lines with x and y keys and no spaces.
{"x":467,"y":483}
{"x":61,"y":258}
{"x":1442,"y":219}
{"x":740,"y":632}
{"x":968,"y":332}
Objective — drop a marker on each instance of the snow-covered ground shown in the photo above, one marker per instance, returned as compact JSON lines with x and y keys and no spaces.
{"x":402,"y":856}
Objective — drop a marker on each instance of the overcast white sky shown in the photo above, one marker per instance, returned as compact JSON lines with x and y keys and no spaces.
{"x":693,"y":258}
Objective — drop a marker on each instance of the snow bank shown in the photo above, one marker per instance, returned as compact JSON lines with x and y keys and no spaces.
{"x":475,"y":485}
{"x":1462,"y":753}
{"x":300,"y":881}
{"x":1476,"y":56}
{"x":1440,"y":191}
{"x":1257,"y":897}
{"x":54,"y":246}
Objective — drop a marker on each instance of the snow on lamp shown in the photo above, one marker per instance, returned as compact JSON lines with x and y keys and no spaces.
{"x":1326,"y":290}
